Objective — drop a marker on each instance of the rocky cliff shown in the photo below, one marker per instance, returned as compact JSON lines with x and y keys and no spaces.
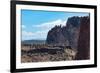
{"x":76,"y":34}
{"x":84,"y":39}
{"x":56,"y":36}
{"x":66,"y":35}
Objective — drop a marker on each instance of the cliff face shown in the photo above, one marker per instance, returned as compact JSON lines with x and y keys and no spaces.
{"x":76,"y":34}
{"x":66,"y":35}
{"x":84,"y":39}
{"x":72,"y":31}
{"x":55,"y":36}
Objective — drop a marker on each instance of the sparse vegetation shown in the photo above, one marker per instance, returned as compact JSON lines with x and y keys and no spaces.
{"x":43,"y":53}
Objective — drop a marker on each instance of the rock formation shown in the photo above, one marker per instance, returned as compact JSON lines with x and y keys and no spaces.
{"x":66,"y":35}
{"x":76,"y":34}
{"x":84,"y":40}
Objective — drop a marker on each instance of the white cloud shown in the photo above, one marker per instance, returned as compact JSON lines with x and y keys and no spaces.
{"x":43,"y":29}
{"x":35,"y":35}
{"x":25,"y":33}
{"x":23,"y":26}
{"x":49,"y":25}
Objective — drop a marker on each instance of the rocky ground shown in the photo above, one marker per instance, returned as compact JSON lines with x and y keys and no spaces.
{"x":28,"y":56}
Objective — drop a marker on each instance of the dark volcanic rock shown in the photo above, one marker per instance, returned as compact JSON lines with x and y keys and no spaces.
{"x":66,"y":35}
{"x":74,"y":21}
{"x":76,"y":34}
{"x":72,"y":31}
{"x":84,"y":40}
{"x":55,"y":36}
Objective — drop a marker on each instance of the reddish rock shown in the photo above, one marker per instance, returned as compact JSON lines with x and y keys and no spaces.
{"x":84,"y":40}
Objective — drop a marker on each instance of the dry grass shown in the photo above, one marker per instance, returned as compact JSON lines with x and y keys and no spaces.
{"x":27,"y":56}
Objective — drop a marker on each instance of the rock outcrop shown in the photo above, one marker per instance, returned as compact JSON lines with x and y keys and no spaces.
{"x":55,"y":36}
{"x":84,"y":40}
{"x":66,"y":35}
{"x":72,"y":31}
{"x":76,"y":34}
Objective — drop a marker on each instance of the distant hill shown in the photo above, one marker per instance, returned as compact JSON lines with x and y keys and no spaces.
{"x":33,"y":42}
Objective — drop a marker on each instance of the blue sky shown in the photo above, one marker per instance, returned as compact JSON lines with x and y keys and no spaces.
{"x":35,"y":24}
